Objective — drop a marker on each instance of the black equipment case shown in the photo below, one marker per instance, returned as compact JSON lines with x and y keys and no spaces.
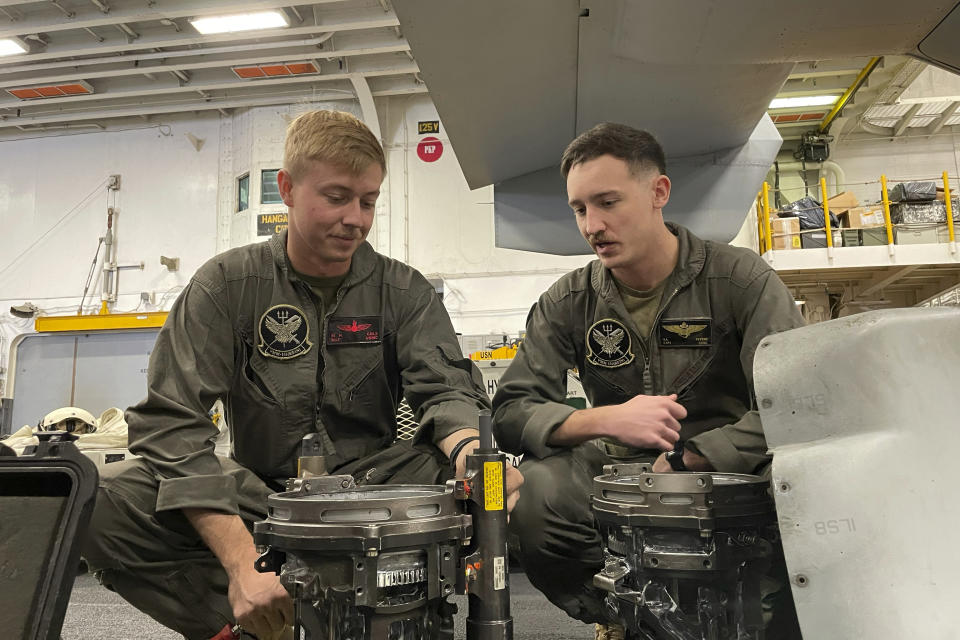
{"x":46,"y":499}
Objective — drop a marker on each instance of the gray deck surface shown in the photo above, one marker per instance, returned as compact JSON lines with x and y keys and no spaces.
{"x":98,"y":614}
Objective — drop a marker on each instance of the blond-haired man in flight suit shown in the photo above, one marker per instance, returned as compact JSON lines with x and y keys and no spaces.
{"x":312,"y":332}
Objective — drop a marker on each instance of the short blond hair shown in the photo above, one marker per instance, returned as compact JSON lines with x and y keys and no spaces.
{"x":337,"y":137}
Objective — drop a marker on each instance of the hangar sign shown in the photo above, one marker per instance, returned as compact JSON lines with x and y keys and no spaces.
{"x":271,"y":223}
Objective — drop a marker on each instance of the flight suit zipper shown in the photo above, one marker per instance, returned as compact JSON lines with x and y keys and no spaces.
{"x":645,"y":348}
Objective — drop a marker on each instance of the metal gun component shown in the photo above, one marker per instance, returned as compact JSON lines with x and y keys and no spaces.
{"x":684,"y":552}
{"x":312,"y":461}
{"x":378,"y":562}
{"x":485,"y":570}
{"x":365,"y":563}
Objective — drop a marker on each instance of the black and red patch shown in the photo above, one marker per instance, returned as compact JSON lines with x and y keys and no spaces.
{"x":355,"y":330}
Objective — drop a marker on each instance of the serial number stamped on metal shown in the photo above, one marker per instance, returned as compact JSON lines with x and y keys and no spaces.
{"x":834,"y":527}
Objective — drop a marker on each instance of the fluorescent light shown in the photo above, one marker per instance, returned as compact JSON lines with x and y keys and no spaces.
{"x":11,"y":48}
{"x":240,"y":22}
{"x":802,"y":101}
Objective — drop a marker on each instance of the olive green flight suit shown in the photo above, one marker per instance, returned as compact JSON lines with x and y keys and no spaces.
{"x":246,"y":330}
{"x":717,"y":306}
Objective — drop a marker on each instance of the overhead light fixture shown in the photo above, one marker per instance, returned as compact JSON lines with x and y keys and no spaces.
{"x":240,"y":22}
{"x":12,"y":47}
{"x":277,"y":69}
{"x":798,"y":117}
{"x":802,"y":101}
{"x":77,"y":88}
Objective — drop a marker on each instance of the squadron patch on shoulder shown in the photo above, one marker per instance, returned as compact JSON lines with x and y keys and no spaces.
{"x":608,"y":344}
{"x":284,"y":332}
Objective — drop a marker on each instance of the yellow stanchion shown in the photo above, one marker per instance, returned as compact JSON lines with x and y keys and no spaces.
{"x":946,"y":199}
{"x":766,"y":215}
{"x":760,"y":244}
{"x":886,"y":209}
{"x":826,"y":212}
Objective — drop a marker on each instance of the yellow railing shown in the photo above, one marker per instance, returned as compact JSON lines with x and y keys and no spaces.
{"x":886,"y":209}
{"x":826,"y":212}
{"x":766,"y":215}
{"x":764,"y":225}
{"x":946,"y":200}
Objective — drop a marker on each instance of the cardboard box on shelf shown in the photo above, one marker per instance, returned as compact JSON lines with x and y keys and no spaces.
{"x":786,"y":233}
{"x":842,"y":202}
{"x":861,"y":217}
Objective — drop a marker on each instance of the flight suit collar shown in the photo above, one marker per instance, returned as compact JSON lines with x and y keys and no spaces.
{"x":361,"y":266}
{"x":692,"y":255}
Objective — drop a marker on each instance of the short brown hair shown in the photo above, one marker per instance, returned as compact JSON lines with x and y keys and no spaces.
{"x":336,"y":137}
{"x":638,"y":148}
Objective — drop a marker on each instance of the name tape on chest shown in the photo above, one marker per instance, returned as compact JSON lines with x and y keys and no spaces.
{"x":355,"y":330}
{"x":689,"y":332}
{"x":284,"y":332}
{"x":609,"y":344}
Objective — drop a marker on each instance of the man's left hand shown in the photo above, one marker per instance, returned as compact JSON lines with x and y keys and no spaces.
{"x":693,"y":462}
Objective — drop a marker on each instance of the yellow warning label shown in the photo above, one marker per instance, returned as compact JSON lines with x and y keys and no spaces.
{"x":493,"y":486}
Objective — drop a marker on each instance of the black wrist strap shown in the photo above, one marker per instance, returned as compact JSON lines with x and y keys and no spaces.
{"x":675,"y":457}
{"x":457,"y":448}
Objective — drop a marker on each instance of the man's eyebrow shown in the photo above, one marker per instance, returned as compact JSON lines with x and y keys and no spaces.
{"x":333,"y":185}
{"x":595,"y":196}
{"x":605,"y":194}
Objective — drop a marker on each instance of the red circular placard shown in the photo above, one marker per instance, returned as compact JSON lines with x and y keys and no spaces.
{"x":430,"y":149}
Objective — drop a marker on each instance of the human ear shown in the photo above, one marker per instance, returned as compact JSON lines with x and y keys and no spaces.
{"x":285,"y":185}
{"x":661,"y":191}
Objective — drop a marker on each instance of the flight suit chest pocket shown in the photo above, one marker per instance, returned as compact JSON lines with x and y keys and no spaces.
{"x":603,"y":388}
{"x":698,"y":348}
{"x":254,"y":375}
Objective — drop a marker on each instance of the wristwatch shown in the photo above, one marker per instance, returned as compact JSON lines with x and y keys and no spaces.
{"x":675,"y":457}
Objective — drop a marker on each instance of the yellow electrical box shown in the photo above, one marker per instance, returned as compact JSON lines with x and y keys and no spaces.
{"x":505,"y":352}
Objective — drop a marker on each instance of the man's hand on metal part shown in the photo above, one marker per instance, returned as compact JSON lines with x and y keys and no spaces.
{"x":647,"y":422}
{"x":261,"y":605}
{"x":513,"y":479}
{"x":692,"y":461}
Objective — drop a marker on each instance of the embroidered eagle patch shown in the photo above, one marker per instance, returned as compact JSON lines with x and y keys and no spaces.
{"x":284,"y":332}
{"x":608,"y":344}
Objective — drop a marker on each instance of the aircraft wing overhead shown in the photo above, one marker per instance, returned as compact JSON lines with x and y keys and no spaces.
{"x":514,"y":82}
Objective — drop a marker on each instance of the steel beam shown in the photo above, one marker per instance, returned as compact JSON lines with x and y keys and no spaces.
{"x":135,"y":71}
{"x":880,"y":282}
{"x":935,"y":126}
{"x":162,"y":41}
{"x":249,"y":85}
{"x":171,"y":9}
{"x":178,"y":108}
{"x":905,"y":121}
